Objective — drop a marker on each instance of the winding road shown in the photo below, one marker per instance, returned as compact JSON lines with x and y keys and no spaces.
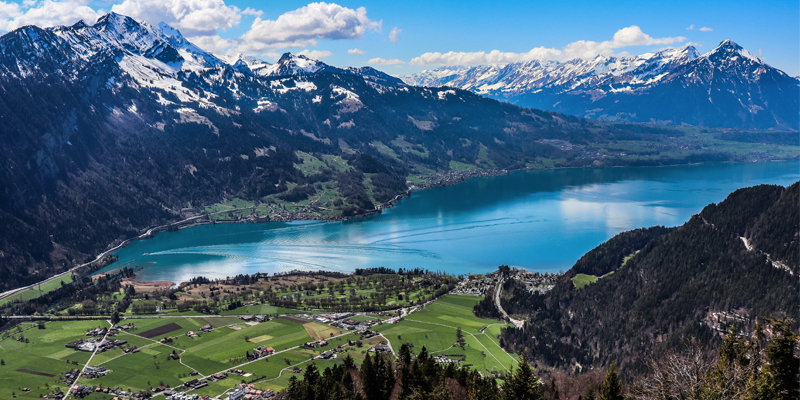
{"x":517,"y":323}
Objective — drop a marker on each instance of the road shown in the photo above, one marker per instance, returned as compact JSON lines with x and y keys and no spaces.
{"x":69,"y":390}
{"x":517,"y":323}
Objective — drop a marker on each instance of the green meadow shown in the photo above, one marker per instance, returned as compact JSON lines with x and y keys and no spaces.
{"x":40,"y":363}
{"x":581,"y":280}
{"x":436,"y":326}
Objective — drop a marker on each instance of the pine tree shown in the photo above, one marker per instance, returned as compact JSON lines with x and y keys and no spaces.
{"x":611,"y":388}
{"x":522,"y":384}
{"x":782,"y":369}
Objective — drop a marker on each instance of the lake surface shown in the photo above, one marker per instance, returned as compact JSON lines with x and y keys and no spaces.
{"x":538,"y":220}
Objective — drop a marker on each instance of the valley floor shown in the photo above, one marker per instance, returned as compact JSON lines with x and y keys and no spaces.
{"x":218,"y":350}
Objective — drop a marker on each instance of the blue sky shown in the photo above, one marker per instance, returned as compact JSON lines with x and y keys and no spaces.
{"x":429,"y":34}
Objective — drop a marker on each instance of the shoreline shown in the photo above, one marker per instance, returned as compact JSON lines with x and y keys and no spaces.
{"x":446,"y":179}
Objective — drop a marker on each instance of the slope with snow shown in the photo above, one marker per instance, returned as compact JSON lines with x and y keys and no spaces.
{"x":664,"y":86}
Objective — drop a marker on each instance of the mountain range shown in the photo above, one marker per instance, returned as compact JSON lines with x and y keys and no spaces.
{"x":112,"y":128}
{"x":727,"y":87}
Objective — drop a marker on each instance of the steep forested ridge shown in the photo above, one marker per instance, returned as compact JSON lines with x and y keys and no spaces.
{"x":666,"y":291}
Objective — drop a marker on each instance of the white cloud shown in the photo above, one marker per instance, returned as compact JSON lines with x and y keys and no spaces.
{"x":253,"y":12}
{"x":630,"y":36}
{"x":46,"y":13}
{"x":192,"y":17}
{"x":356,"y":51}
{"x":691,"y":27}
{"x":382,"y":61}
{"x":695,"y":44}
{"x":705,"y":29}
{"x":393,"y":35}
{"x":214,"y":43}
{"x":302,"y":27}
{"x":315,"y":54}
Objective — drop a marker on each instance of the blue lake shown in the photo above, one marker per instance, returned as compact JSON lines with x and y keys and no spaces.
{"x":537,"y":220}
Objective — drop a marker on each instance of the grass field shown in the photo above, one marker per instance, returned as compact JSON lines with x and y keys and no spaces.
{"x":460,"y":166}
{"x":39,"y":290}
{"x":319,"y":331}
{"x":224,"y":347}
{"x":435,"y":328}
{"x":309,"y":165}
{"x":45,"y":353}
{"x":581,"y":280}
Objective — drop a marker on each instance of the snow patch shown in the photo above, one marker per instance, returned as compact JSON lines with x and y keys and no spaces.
{"x":443,"y":95}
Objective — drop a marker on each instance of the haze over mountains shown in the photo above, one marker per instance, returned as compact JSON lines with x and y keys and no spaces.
{"x":726,"y":87}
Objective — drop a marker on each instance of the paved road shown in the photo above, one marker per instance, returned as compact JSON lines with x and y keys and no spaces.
{"x":69,"y":390}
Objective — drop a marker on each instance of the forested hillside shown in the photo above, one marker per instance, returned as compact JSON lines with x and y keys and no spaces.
{"x":693,"y":281}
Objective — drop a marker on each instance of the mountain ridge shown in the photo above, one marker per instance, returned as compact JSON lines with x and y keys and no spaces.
{"x":732,"y":87}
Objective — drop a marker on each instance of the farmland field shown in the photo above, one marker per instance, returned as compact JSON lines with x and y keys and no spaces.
{"x":37,"y":358}
{"x":436,"y":325}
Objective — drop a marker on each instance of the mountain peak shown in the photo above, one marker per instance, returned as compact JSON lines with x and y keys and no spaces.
{"x":79,"y":25}
{"x":727,"y":43}
{"x":728,"y":49}
{"x":116,"y":20}
{"x":289,"y":57}
{"x":691,"y":51}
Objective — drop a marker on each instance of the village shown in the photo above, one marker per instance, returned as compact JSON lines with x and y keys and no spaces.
{"x":250,"y":354}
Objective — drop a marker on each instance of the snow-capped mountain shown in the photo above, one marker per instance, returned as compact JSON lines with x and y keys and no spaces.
{"x":726,"y":87}
{"x":109,"y":128}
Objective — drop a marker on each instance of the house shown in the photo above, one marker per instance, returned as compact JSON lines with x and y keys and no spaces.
{"x":310,"y":345}
{"x":270,"y":350}
{"x":206,"y":328}
{"x":218,"y":376}
{"x":237,"y":394}
{"x":174,"y":356}
{"x":381,"y":348}
{"x":191,"y":334}
{"x":322,"y":342}
{"x":327,"y":354}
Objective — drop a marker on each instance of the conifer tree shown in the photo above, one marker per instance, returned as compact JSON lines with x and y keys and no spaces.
{"x":782,"y":368}
{"x":611,"y":388}
{"x":522,"y":384}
